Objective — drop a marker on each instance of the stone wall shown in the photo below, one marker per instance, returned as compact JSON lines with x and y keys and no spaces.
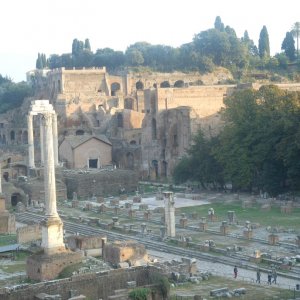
{"x":93,"y":286}
{"x":101,"y":183}
{"x":29,"y":233}
{"x":7,"y":223}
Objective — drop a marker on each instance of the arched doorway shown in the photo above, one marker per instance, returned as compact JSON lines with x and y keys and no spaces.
{"x":15,"y":198}
{"x":154,"y":169}
{"x":115,"y":87}
{"x":130,"y":161}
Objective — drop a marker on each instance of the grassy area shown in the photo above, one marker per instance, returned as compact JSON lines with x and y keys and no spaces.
{"x":253,"y":291}
{"x":254,"y":214}
{"x":7,"y":239}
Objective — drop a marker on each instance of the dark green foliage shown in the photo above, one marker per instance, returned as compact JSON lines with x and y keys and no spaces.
{"x":264,"y":43}
{"x":139,"y":294}
{"x":12,"y":94}
{"x":296,"y":34}
{"x":218,"y":24}
{"x":288,"y":46}
{"x":41,"y":61}
{"x":87,"y":45}
{"x":259,"y":147}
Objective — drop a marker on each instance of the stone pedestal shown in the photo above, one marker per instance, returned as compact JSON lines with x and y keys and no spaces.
{"x":116,"y":210}
{"x":212,"y":218}
{"x":248,"y":234}
{"x":131,"y":213}
{"x":203,"y":226}
{"x":224,"y":228}
{"x":231,"y":217}
{"x":43,"y":267}
{"x":183,"y":222}
{"x":52,"y":236}
{"x":137,"y":199}
{"x":75,"y":203}
{"x":147,"y":215}
{"x":273,"y":239}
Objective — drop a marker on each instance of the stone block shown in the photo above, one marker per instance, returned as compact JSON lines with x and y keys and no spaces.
{"x":248,"y":234}
{"x":203,"y":226}
{"x":273,"y":239}
{"x":286,"y":209}
{"x":183,"y":222}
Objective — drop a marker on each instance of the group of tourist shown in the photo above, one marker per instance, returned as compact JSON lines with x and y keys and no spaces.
{"x":272,"y":275}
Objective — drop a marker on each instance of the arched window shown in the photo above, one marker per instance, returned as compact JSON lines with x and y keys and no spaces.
{"x":165,"y":84}
{"x":79,"y":132}
{"x":12,"y":135}
{"x":179,"y":84}
{"x":139,"y":85}
{"x":154,"y":132}
{"x":115,"y":87}
{"x":129,"y":103}
{"x":25,"y":137}
{"x":120,"y":120}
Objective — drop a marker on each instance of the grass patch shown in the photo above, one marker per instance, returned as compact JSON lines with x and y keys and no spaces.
{"x":254,"y":214}
{"x":7,"y":239}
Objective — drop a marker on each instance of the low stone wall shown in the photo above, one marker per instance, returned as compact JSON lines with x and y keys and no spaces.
{"x":29,"y":233}
{"x":99,"y":285}
{"x":101,"y":183}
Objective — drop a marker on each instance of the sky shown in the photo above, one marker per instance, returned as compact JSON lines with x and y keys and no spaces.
{"x":28,"y":27}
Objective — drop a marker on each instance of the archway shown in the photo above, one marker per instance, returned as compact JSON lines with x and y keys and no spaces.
{"x":155,"y":169}
{"x":120,"y":120}
{"x":139,"y":85}
{"x":79,"y":132}
{"x":12,"y":135}
{"x":129,"y":103}
{"x":15,"y":198}
{"x":165,"y":84}
{"x":25,"y":137}
{"x":130,"y":160}
{"x":115,"y":87}
{"x":179,"y":84}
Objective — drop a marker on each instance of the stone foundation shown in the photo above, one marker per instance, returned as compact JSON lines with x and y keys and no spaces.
{"x":47,"y":267}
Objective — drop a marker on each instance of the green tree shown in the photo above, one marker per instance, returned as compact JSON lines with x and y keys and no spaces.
{"x":134,"y":57}
{"x":39,"y":62}
{"x":263,"y":43}
{"x":218,"y":24}
{"x":87,"y":44}
{"x":296,"y":34}
{"x":288,"y":45}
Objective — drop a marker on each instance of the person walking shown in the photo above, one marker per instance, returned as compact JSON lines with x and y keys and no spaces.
{"x":269,"y":278}
{"x":235,"y":272}
{"x":258,"y":276}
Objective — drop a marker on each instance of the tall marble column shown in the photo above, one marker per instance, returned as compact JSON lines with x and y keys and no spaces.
{"x":169,"y":213}
{"x":52,"y":227}
{"x":42,"y":140}
{"x":30,"y":142}
{"x":55,"y":138}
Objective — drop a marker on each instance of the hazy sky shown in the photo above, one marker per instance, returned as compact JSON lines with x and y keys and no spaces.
{"x":49,"y":26}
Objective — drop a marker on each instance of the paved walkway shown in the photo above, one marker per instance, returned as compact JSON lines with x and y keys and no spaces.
{"x":227,"y":271}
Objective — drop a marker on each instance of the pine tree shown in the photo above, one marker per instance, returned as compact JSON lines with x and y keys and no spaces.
{"x":263,"y":43}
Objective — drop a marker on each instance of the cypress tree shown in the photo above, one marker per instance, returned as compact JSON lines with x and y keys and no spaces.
{"x":263,"y":43}
{"x":288,"y":45}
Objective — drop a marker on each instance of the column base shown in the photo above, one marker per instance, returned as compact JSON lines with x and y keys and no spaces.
{"x":52,"y":235}
{"x":47,"y":267}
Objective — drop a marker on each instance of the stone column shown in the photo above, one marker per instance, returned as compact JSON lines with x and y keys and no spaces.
{"x":49,"y":169}
{"x":52,"y":227}
{"x":169,"y":213}
{"x":42,"y":140}
{"x":55,"y":138}
{"x":0,"y":179}
{"x":30,"y":142}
